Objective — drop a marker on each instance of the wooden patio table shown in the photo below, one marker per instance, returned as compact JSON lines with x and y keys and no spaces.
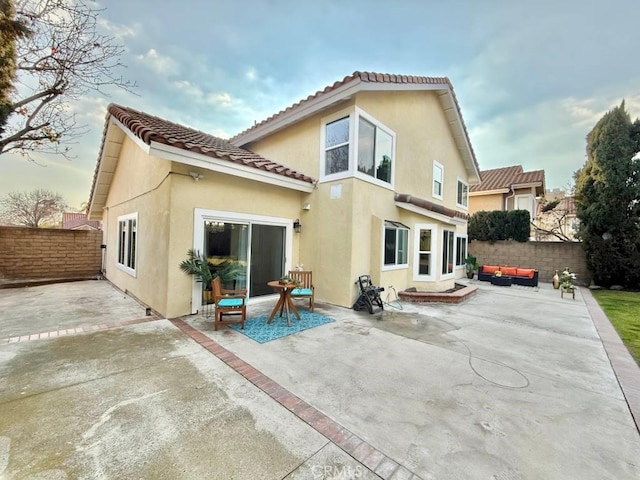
{"x":284,"y":302}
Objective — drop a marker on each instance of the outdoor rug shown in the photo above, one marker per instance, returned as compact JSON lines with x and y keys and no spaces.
{"x":259,"y":330}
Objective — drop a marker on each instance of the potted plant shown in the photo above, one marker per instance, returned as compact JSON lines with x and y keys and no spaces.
{"x":198,"y":266}
{"x":471,"y":265}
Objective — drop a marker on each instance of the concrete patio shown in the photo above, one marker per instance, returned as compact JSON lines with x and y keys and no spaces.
{"x":515,"y":383}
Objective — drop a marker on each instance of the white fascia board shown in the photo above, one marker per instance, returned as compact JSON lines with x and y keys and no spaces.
{"x":326,"y":100}
{"x":195,"y":159}
{"x":296,"y":114}
{"x":525,"y":185}
{"x":145,"y":148}
{"x":105,"y":140}
{"x":489,"y":192}
{"x":463,"y":134}
{"x":429,"y":214}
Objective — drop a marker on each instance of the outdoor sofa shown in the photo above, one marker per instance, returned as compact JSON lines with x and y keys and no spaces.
{"x":521,"y":276}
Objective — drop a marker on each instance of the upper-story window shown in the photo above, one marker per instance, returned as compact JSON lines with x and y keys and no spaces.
{"x":336,"y":146}
{"x":526,"y":202}
{"x":356,"y":144}
{"x":462,"y":199}
{"x":438,"y":178}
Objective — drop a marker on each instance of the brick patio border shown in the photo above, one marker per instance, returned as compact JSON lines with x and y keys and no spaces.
{"x":350,"y":443}
{"x":75,"y":331}
{"x":624,"y":366}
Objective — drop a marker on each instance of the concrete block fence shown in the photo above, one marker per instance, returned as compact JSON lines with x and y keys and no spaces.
{"x":546,"y":257}
{"x":31,"y":256}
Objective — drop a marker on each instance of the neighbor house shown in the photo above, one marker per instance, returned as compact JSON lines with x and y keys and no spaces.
{"x":559,"y":223}
{"x":79,"y":221}
{"x":373,"y":171}
{"x":508,"y":188}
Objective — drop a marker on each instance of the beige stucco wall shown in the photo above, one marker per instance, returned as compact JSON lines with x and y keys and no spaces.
{"x":220,"y":192}
{"x":342,"y":237}
{"x":487,"y":203}
{"x":422,"y":136}
{"x":140,"y":184}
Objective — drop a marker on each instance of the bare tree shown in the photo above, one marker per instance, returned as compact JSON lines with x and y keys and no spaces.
{"x":32,"y":209}
{"x":62,"y":58}
{"x":555,"y":220}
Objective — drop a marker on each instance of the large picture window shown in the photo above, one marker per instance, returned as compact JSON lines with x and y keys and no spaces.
{"x":356,"y":144}
{"x":375,"y":148}
{"x":127,"y":242}
{"x":395,"y":243}
{"x":447,"y":251}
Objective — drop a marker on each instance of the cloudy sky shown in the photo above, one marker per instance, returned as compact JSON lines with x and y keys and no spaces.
{"x":532,"y":77}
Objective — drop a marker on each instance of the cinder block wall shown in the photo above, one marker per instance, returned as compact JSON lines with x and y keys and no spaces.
{"x":546,"y":257}
{"x":43,"y":255}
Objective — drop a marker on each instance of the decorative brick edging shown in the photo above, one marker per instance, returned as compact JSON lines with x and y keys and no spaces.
{"x":65,"y":332}
{"x":624,"y":366}
{"x":346,"y":440}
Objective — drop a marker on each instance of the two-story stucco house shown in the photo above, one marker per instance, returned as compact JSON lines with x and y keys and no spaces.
{"x":374,"y":171}
{"x":507,"y":188}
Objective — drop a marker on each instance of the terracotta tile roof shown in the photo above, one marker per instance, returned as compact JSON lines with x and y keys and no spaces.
{"x":369,"y":77}
{"x":149,"y":128}
{"x":503,"y":178}
{"x":71,"y":221}
{"x":428,"y":205}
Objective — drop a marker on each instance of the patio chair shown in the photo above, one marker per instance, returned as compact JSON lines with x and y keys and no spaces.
{"x":230,"y":303}
{"x":304,"y":288}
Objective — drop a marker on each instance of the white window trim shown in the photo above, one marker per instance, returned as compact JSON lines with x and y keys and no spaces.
{"x":354,"y":114}
{"x":200,"y":215}
{"x":437,"y":164}
{"x":347,"y":112}
{"x":447,"y":276}
{"x":461,"y":205}
{"x":397,"y":266}
{"x":120,"y":266}
{"x":455,"y":253}
{"x":434,"y":252}
{"x":532,"y":204}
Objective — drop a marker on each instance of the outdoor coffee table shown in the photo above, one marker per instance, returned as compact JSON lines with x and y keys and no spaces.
{"x":502,"y":280}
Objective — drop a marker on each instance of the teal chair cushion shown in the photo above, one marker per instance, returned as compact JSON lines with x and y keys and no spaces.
{"x":301,"y":292}
{"x":231,"y":302}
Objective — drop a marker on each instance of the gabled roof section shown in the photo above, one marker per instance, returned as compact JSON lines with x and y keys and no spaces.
{"x":502,"y":179}
{"x":154,"y":129}
{"x":180,"y":144}
{"x":73,"y":221}
{"x":369,"y":81}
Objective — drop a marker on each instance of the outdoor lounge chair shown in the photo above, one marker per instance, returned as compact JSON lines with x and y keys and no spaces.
{"x":229,"y":303}
{"x":304,"y":288}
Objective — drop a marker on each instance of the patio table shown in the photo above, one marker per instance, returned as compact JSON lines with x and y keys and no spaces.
{"x":284,"y":302}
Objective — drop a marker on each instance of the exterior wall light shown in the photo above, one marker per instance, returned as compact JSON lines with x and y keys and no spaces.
{"x":297,"y":226}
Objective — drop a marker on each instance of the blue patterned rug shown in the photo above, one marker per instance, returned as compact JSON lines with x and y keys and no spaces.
{"x":257,"y":328}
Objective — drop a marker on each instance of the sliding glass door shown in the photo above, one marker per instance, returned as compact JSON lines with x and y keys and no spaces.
{"x":226,"y":248}
{"x":245,"y":254}
{"x":267,"y":257}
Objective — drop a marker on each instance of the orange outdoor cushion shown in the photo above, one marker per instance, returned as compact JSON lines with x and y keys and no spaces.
{"x":490,"y":269}
{"x":526,"y":272}
{"x":509,"y":271}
